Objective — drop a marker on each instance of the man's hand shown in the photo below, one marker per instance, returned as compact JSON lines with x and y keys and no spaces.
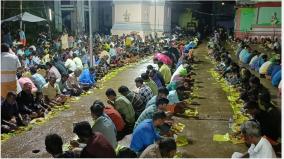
{"x":74,"y":143}
{"x":110,"y":102}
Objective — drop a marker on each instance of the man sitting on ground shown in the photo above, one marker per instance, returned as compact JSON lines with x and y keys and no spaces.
{"x":97,"y":146}
{"x":123,"y":106}
{"x":143,"y":90}
{"x":52,"y":71}
{"x":157,"y":73}
{"x":262,"y":117}
{"x":67,"y":88}
{"x":145,"y":134}
{"x":37,"y":78}
{"x":166,"y":148}
{"x":162,"y":93}
{"x":53,"y":145}
{"x":165,"y":71}
{"x":103,"y":124}
{"x":52,"y":93}
{"x":26,"y":102}
{"x":116,"y":119}
{"x":10,"y":114}
{"x":87,"y":78}
{"x":148,"y":113}
{"x":135,"y":99}
{"x":175,"y":96}
{"x":260,"y":146}
{"x":150,"y":83}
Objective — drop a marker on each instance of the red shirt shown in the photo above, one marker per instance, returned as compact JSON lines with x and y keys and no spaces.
{"x":98,"y":147}
{"x":115,"y":117}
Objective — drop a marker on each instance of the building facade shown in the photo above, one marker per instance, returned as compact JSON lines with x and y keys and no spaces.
{"x":258,"y":19}
{"x":74,"y":16}
{"x":145,"y":17}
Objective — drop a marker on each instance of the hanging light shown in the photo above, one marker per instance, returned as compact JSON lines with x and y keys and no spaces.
{"x":223,"y":3}
{"x":50,"y":14}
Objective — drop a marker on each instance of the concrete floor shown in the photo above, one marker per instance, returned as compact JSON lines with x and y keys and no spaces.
{"x":214,"y":106}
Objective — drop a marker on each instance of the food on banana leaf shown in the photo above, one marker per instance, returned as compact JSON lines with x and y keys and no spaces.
{"x":218,"y":137}
{"x":191,"y":113}
{"x":178,"y":127}
{"x":181,"y":141}
{"x":178,"y":155}
{"x":237,"y":139}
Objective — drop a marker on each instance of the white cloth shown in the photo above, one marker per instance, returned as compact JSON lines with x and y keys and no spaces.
{"x":262,"y":150}
{"x":78,"y":62}
{"x":70,"y":65}
{"x":176,"y":72}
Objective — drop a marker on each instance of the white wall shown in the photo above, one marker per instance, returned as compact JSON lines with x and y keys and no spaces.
{"x":141,"y":17}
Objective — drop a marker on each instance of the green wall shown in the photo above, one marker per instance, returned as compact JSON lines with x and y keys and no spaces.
{"x":247,"y":18}
{"x":265,"y":14}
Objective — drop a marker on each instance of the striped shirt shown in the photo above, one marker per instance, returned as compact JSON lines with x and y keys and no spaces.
{"x":9,"y":65}
{"x":146,"y":93}
{"x":148,"y":113}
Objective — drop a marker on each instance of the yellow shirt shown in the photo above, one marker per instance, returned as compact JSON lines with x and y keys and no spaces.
{"x":166,"y":73}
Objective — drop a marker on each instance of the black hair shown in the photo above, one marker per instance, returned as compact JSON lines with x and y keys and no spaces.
{"x":123,"y":89}
{"x":160,"y":63}
{"x":33,"y":70}
{"x":97,"y":109}
{"x":5,"y":47}
{"x":162,"y":101}
{"x":110,"y":92}
{"x":251,"y":105}
{"x":65,"y":75}
{"x":159,"y":115}
{"x":254,"y":80}
{"x":150,"y":67}
{"x":48,"y":64}
{"x":166,"y":145}
{"x":180,"y":87}
{"x":244,"y":96}
{"x":163,"y":90}
{"x":145,"y":76}
{"x":264,"y":96}
{"x":11,"y":93}
{"x":139,"y":80}
{"x":98,"y":102}
{"x":83,"y":129}
{"x":53,"y":144}
{"x":91,"y":69}
{"x":126,"y":152}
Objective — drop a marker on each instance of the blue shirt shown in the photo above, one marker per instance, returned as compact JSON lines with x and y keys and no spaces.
{"x":173,"y":97}
{"x":242,"y":53}
{"x":276,"y":79}
{"x":152,"y":101}
{"x":275,"y":69}
{"x":112,"y":52}
{"x":143,"y":136}
{"x":247,"y":57}
{"x":38,"y":80}
{"x":87,"y":78}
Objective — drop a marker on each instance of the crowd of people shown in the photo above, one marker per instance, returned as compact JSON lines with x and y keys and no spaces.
{"x":35,"y":78}
{"x":145,"y":112}
{"x":263,"y":131}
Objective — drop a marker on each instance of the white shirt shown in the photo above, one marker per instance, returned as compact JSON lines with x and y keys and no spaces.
{"x":70,"y":65}
{"x":78,"y":62}
{"x":177,"y":72}
{"x":262,"y":150}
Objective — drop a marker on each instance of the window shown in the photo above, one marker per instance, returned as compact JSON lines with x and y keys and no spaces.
{"x":65,"y":2}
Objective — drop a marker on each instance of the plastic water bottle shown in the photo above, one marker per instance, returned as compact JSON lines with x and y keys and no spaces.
{"x":230,"y":122}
